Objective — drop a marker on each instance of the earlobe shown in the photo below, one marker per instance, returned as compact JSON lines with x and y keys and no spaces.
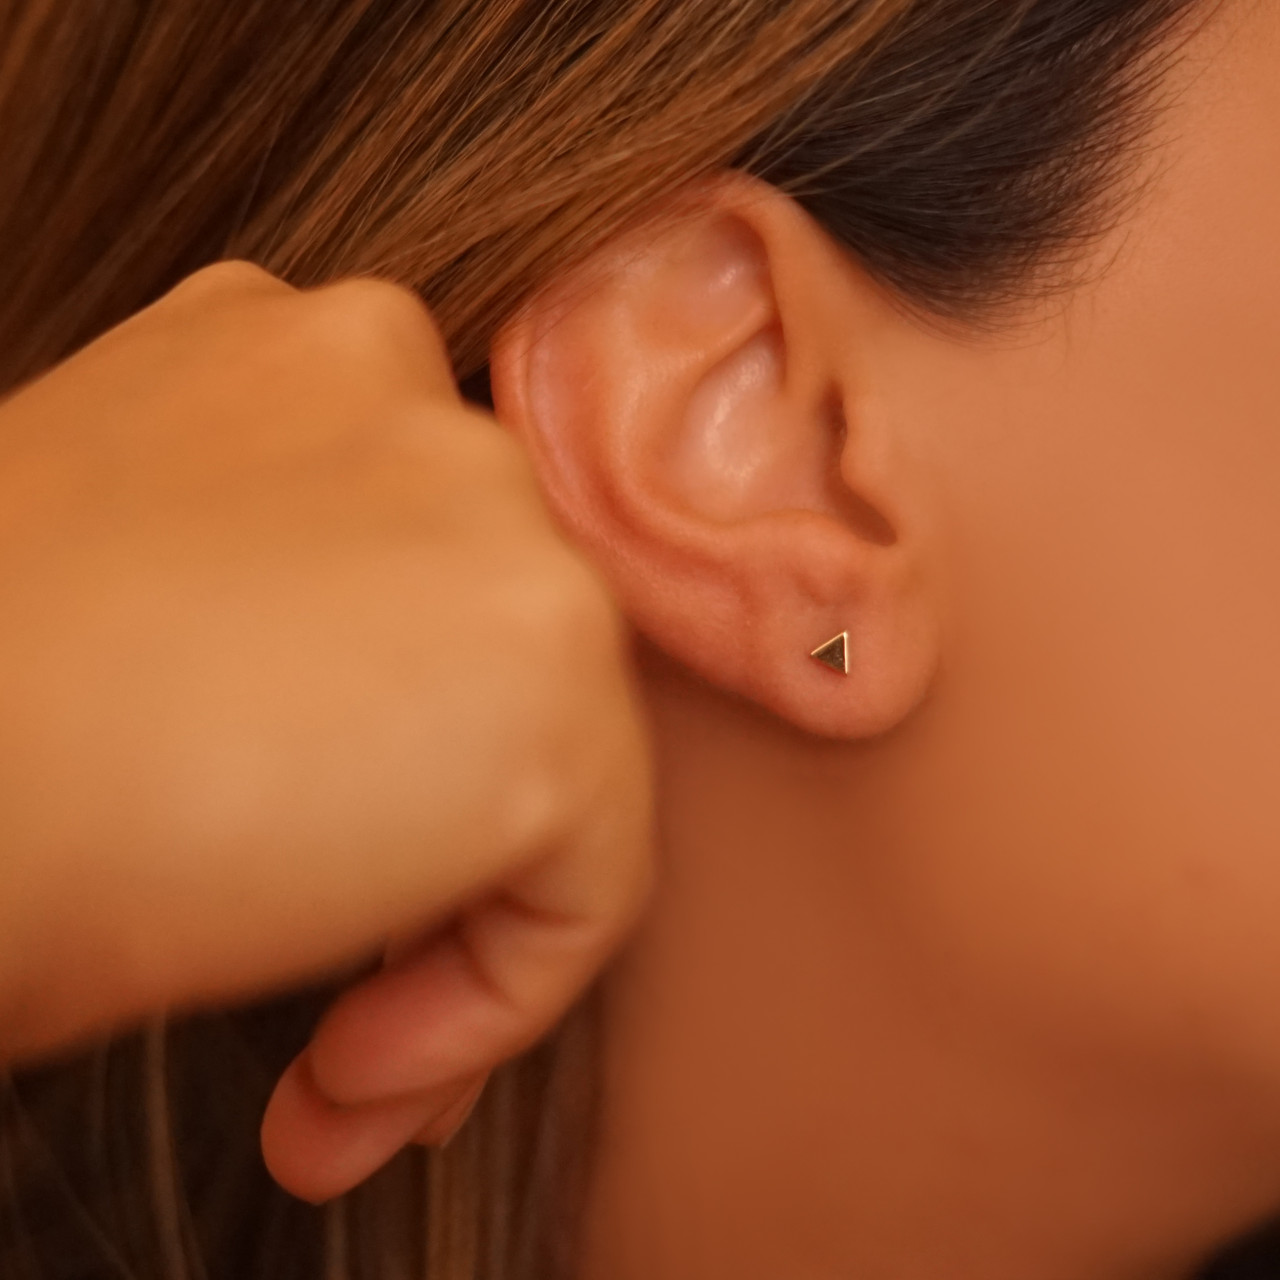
{"x":692,"y":411}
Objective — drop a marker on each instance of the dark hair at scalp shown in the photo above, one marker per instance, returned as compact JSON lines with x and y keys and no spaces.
{"x":965,"y":150}
{"x":983,"y":146}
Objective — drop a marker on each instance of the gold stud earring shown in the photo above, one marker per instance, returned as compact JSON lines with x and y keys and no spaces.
{"x":834,"y":654}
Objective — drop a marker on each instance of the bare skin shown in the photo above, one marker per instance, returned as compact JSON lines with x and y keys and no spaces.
{"x":985,"y":987}
{"x":964,"y":965}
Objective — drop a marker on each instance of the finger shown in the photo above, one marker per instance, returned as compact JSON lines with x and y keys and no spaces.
{"x":397,"y":321}
{"x":317,"y":1150}
{"x":485,"y":990}
{"x":230,"y":280}
{"x":444,"y":1127}
{"x":473,"y":998}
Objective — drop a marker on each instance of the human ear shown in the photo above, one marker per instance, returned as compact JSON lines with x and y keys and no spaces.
{"x":693,"y":403}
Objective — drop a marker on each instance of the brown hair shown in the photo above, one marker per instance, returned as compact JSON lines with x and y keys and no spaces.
{"x":964,"y":150}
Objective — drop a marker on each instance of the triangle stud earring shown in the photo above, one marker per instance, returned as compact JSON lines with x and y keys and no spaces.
{"x":834,"y":654}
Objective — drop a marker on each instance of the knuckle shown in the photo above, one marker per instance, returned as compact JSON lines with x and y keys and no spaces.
{"x":230,"y":278}
{"x":376,"y":318}
{"x":564,"y":690}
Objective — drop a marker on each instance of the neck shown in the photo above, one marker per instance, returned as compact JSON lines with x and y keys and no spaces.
{"x":802,"y":1081}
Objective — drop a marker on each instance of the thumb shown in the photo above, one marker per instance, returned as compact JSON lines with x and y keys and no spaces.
{"x":396,"y":1053}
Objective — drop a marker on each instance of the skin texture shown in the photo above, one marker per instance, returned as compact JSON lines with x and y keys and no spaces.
{"x":963,"y":965}
{"x":297,"y":672}
{"x":983,"y":985}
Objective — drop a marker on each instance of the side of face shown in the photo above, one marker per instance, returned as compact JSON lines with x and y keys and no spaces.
{"x":1107,"y":489}
{"x":1053,"y":768}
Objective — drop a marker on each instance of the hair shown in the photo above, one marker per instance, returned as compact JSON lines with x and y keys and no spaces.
{"x":965,"y":151}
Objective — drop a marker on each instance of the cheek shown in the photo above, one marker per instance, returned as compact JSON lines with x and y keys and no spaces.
{"x":1105,"y":753}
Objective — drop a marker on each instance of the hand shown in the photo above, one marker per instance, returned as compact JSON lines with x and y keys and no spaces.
{"x":294,"y":667}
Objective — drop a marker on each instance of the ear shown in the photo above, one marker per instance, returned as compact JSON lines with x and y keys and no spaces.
{"x":701,"y":409}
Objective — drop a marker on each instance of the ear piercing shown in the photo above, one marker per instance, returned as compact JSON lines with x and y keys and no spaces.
{"x":834,"y":654}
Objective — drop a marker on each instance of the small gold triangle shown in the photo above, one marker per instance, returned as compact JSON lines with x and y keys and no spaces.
{"x":835,"y":654}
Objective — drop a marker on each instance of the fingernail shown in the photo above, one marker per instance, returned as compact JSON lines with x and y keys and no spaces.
{"x":450,"y":1123}
{"x":461,"y":1122}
